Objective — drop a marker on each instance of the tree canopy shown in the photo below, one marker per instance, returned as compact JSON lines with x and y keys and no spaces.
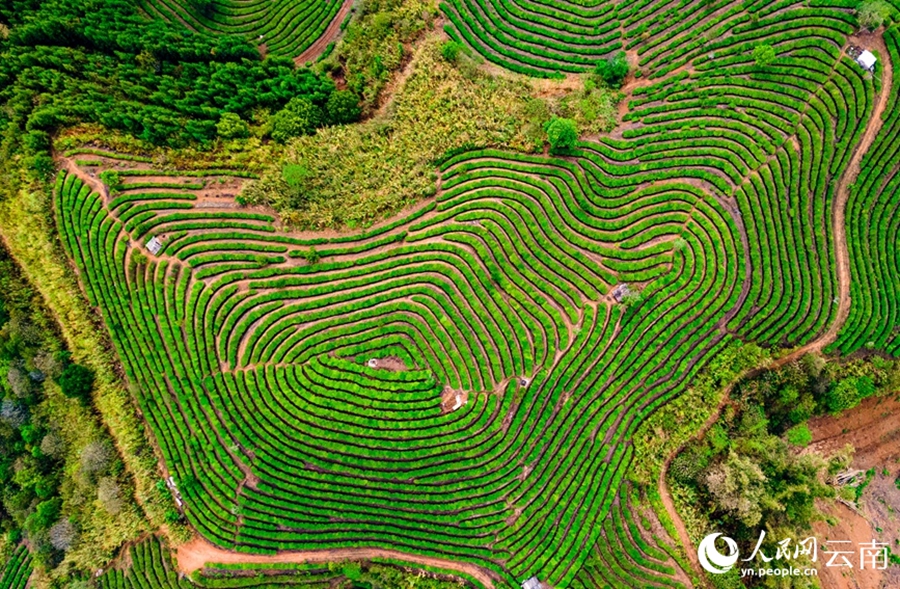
{"x":871,"y":14}
{"x":562,"y":134}
{"x":101,"y":61}
{"x":763,"y":55}
{"x":613,"y":70}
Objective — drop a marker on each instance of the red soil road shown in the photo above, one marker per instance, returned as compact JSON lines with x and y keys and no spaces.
{"x":330,"y":34}
{"x":198,"y":552}
{"x":842,"y":259}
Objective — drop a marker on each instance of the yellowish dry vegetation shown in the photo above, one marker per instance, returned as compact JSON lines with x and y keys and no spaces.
{"x":353,"y":175}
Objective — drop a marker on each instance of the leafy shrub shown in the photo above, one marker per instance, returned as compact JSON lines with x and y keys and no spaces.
{"x":112,"y":179}
{"x":311,"y":256}
{"x":352,"y":571}
{"x":613,"y":70}
{"x":231,"y":126}
{"x":763,"y":55}
{"x":450,"y":50}
{"x":76,"y":382}
{"x":562,"y":134}
{"x":799,"y":435}
{"x":632,"y":298}
{"x":294,"y":174}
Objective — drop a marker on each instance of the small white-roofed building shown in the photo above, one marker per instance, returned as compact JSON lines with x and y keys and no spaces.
{"x":867,"y":60}
{"x":532,"y":583}
{"x":154,"y":245}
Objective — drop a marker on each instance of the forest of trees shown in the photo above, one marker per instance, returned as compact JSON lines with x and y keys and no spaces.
{"x":68,"y":61}
{"x":746,"y":473}
{"x":54,"y":460}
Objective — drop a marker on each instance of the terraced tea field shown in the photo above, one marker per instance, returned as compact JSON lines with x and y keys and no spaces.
{"x":464,"y":382}
{"x":16,"y":570}
{"x":284,"y":28}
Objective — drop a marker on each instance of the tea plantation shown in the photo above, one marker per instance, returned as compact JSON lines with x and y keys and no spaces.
{"x":283,"y":28}
{"x":16,"y":570}
{"x":465,"y":381}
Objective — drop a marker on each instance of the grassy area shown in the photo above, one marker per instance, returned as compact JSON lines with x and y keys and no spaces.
{"x":352,"y":176}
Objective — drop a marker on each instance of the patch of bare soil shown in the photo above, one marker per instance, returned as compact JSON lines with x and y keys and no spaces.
{"x":872,"y":428}
{"x":547,"y":88}
{"x":451,"y":399}
{"x":881,"y":506}
{"x":389,"y":363}
{"x":198,"y":552}
{"x":851,"y":526}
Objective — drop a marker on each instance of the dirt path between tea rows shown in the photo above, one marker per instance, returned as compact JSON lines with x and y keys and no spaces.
{"x":331,"y":33}
{"x":198,"y":552}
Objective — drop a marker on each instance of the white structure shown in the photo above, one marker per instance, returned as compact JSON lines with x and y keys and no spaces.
{"x":620,"y":291}
{"x":867,"y":60}
{"x":154,"y":245}
{"x":532,"y":583}
{"x":458,"y":403}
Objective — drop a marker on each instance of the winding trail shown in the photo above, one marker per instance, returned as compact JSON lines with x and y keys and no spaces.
{"x":198,"y":552}
{"x":842,"y":259}
{"x":330,"y":34}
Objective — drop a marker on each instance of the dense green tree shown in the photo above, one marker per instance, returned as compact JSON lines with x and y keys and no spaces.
{"x":763,"y":55}
{"x":45,"y":515}
{"x":561,"y":133}
{"x":299,"y":117}
{"x":848,"y":393}
{"x":613,"y":70}
{"x":76,"y":382}
{"x":342,"y":108}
